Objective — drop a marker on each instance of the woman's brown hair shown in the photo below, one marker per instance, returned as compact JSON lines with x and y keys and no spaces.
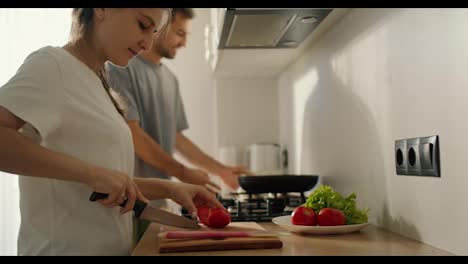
{"x":82,"y":23}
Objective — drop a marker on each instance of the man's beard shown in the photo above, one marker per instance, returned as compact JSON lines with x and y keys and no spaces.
{"x":165,"y":53}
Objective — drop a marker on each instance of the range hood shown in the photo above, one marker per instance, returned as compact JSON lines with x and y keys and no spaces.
{"x":267,"y":28}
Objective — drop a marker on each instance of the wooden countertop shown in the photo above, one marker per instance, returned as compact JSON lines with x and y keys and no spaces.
{"x":371,"y":240}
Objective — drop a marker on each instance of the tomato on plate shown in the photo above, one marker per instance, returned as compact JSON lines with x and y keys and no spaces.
{"x":303,"y":215}
{"x":330,"y":217}
{"x":214,"y":217}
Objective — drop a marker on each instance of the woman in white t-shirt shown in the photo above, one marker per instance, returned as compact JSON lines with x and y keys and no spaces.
{"x":64,"y":133}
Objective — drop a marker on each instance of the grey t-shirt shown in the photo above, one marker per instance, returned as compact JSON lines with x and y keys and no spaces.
{"x":153,"y":98}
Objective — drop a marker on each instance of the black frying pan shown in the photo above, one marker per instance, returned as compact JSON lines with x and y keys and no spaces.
{"x":277,"y":183}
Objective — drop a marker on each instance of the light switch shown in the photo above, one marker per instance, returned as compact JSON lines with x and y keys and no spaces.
{"x":430,"y":160}
{"x":426,"y":154}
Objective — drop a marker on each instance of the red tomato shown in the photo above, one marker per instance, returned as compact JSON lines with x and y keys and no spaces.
{"x":203,"y":215}
{"x":303,"y":216}
{"x":214,"y":217}
{"x":219,"y":218}
{"x":330,"y":217}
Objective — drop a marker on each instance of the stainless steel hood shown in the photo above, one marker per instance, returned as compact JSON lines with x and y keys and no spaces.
{"x":266,"y":28}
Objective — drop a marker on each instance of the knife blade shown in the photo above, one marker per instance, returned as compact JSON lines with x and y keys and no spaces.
{"x":144,"y":211}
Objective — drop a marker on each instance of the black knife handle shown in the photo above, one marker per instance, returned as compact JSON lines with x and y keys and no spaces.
{"x":138,"y":207}
{"x":98,"y":196}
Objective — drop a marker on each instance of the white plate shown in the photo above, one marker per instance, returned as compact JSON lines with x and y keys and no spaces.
{"x":285,"y":222}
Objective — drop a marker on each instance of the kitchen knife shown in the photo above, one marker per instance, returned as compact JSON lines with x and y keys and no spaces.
{"x":147,"y":212}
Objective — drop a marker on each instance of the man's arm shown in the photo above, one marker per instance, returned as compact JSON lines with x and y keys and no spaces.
{"x":153,"y":154}
{"x":194,"y":154}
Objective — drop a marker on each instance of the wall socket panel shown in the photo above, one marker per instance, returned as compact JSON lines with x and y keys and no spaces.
{"x":418,"y":156}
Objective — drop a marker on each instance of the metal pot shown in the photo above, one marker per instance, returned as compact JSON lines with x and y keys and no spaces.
{"x":264,"y":158}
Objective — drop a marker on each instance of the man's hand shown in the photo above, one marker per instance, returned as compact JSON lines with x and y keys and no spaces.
{"x":240,"y":170}
{"x":199,"y":177}
{"x":230,"y":175}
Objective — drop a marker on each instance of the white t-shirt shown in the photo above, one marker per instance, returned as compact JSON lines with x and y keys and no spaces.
{"x":66,"y":103}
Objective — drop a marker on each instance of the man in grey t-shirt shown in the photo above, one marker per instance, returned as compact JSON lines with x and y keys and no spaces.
{"x":157,"y":118}
{"x":152,"y":95}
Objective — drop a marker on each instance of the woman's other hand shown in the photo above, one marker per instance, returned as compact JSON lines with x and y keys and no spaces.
{"x":191,"y":196}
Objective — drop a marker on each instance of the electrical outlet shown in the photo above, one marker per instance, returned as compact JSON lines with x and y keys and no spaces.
{"x":412,"y":150}
{"x":418,"y":156}
{"x":400,"y":157}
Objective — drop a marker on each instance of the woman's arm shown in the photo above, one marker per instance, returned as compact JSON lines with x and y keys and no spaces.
{"x":19,"y":155}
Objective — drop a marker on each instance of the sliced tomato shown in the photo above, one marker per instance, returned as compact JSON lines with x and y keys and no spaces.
{"x":204,"y":215}
{"x":219,"y":218}
{"x":214,"y":217}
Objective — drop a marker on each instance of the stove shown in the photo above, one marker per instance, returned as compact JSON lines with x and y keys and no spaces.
{"x":245,"y":207}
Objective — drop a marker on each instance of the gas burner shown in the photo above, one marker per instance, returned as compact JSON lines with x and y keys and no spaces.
{"x":259,"y":207}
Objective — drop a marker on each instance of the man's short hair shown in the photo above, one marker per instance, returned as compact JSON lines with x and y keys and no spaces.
{"x":184,"y":12}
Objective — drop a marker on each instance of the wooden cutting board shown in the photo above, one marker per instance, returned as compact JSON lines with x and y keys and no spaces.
{"x":230,"y":243}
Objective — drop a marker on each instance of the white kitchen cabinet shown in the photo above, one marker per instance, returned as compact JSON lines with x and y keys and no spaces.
{"x":212,"y":34}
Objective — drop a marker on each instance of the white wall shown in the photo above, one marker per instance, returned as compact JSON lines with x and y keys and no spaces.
{"x":197,"y":85}
{"x":28,"y":29}
{"x":247,"y":111}
{"x":377,"y":76}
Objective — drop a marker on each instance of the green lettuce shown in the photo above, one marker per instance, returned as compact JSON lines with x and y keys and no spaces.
{"x":325,"y":197}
